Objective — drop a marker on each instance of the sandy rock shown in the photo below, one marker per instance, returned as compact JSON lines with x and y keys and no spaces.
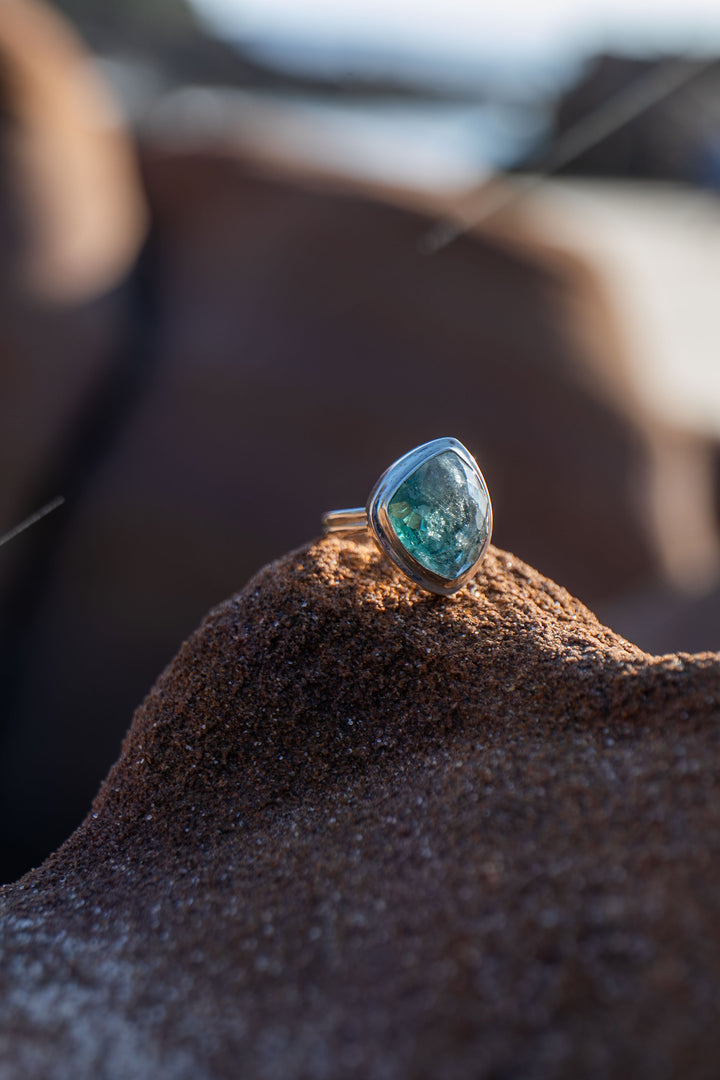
{"x":290,"y":343}
{"x":356,"y":830}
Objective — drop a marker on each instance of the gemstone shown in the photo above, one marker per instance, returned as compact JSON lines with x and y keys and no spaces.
{"x":440,"y":514}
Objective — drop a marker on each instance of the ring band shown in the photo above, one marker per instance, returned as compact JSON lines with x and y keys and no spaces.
{"x":430,"y":513}
{"x":345,"y":521}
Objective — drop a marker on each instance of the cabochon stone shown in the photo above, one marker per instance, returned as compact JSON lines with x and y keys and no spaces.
{"x":440,"y":515}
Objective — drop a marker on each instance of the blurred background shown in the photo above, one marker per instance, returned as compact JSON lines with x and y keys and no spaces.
{"x":251,"y":252}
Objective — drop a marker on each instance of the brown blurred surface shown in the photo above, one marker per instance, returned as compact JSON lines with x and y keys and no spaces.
{"x":67,"y":164}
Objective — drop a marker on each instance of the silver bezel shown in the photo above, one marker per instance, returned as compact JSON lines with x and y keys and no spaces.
{"x":384,"y":534}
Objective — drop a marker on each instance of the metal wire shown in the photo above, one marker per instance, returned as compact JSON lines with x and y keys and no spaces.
{"x":48,"y":508}
{"x":629,"y":103}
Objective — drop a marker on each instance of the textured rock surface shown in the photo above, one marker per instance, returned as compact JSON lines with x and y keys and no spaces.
{"x":360,"y":831}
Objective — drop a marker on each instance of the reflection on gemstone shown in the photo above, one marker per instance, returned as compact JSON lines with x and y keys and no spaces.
{"x":440,"y":514}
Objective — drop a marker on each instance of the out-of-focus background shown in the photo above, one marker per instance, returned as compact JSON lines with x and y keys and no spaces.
{"x":253,"y":250}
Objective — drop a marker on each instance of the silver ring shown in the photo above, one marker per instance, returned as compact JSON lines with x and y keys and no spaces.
{"x":430,"y":512}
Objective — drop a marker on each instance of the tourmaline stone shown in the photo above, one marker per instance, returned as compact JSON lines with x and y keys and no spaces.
{"x":440,"y":515}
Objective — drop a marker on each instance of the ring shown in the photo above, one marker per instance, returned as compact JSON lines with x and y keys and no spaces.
{"x":430,"y":512}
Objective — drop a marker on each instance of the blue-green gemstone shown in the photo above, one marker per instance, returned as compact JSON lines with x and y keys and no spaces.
{"x":440,"y":515}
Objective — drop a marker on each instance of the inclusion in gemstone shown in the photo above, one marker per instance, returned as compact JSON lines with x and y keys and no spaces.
{"x":440,"y":514}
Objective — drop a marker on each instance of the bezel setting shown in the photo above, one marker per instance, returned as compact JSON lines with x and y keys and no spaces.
{"x":384,"y":534}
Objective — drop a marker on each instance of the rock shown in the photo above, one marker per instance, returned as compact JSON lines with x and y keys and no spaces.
{"x":279,"y":342}
{"x":358,"y":830}
{"x":673,"y":139}
{"x":291,"y":356}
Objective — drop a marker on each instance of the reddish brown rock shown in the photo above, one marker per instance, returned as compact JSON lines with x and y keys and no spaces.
{"x":280,"y":342}
{"x":360,"y":831}
{"x":299,"y":344}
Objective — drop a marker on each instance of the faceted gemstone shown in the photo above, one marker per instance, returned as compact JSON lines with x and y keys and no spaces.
{"x":440,"y":515}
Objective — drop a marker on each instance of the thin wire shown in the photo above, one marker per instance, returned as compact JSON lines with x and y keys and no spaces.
{"x":619,"y":110}
{"x":48,"y":508}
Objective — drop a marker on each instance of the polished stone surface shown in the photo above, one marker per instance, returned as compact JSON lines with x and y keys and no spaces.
{"x":440,"y":514}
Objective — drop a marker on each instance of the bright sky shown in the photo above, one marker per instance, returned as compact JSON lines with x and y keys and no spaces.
{"x":463,"y":27}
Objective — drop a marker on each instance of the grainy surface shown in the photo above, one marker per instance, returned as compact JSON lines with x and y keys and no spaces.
{"x":358,"y":831}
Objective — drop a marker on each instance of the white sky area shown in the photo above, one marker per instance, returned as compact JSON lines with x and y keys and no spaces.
{"x":522,"y":28}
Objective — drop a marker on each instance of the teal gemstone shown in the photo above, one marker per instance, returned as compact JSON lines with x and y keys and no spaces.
{"x":440,"y":514}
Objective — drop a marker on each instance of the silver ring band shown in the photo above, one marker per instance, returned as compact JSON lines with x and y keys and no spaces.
{"x":345,"y":521}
